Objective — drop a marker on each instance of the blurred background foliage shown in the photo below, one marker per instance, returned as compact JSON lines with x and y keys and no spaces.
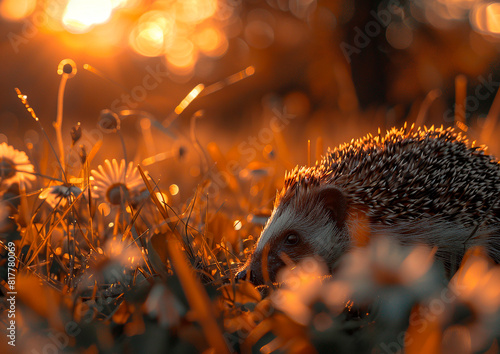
{"x":343,"y":68}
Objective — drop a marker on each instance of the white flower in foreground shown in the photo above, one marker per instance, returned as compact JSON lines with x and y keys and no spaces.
{"x":15,"y":167}
{"x":116,"y":183}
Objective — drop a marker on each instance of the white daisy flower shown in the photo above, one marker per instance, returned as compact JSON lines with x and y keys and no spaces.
{"x":15,"y":167}
{"x":60,"y":195}
{"x":116,"y":183}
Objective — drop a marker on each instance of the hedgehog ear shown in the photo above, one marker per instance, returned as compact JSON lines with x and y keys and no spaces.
{"x":335,"y":202}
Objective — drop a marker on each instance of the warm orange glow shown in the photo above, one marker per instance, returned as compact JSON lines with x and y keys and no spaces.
{"x":64,"y":66}
{"x":180,"y":47}
{"x":179,"y":30}
{"x":301,"y":283}
{"x":183,"y":64}
{"x":172,"y":30}
{"x":490,"y":290}
{"x":101,"y":41}
{"x":476,"y":18}
{"x":194,"y":171}
{"x":478,"y":283}
{"x":147,"y":40}
{"x":472,"y":274}
{"x":124,"y":3}
{"x":195,"y":11}
{"x":416,"y":265}
{"x":16,"y":9}
{"x":207,"y":39}
{"x":181,"y":53}
{"x":104,"y":209}
{"x":119,"y":251}
{"x":162,"y":197}
{"x":493,"y":18}
{"x":211,"y":42}
{"x":173,"y":189}
{"x":423,"y":339}
{"x":249,"y":71}
{"x":485,"y":18}
{"x":189,"y":98}
{"x":80,"y":15}
{"x":153,"y":30}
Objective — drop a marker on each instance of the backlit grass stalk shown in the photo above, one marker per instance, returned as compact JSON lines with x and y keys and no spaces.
{"x":162,"y":209}
{"x":53,"y":225}
{"x":460,"y":99}
{"x":58,"y":123}
{"x":197,"y":297}
{"x":67,"y":69}
{"x":31,"y":111}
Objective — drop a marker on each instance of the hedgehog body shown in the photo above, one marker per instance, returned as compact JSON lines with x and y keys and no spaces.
{"x":419,"y":186}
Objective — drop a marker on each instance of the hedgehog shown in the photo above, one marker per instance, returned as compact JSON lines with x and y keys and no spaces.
{"x":417,"y":186}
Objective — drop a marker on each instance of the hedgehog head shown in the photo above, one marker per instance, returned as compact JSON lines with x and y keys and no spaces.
{"x":308,"y":220}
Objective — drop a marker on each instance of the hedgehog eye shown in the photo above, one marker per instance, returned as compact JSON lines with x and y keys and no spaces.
{"x":292,"y":239}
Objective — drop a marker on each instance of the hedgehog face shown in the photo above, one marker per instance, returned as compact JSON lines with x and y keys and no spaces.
{"x":306,"y":223}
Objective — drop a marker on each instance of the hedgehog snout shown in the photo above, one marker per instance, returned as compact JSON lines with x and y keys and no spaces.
{"x":253,"y":271}
{"x":241,"y":275}
{"x":247,"y":273}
